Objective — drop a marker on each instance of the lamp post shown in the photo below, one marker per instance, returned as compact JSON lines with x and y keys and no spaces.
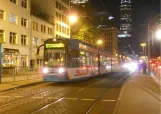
{"x":144,"y":48}
{"x":151,"y":26}
{"x":72,"y":19}
{"x":158,"y":35}
{"x":99,"y":42}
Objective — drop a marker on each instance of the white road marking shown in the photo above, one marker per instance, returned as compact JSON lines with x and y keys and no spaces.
{"x":71,"y":98}
{"x":109,"y":100}
{"x":5,"y":96}
{"x":37,"y":97}
{"x":88,"y":99}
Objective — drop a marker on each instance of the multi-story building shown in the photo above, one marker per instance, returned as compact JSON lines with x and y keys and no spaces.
{"x":125,"y":25}
{"x":80,"y":7}
{"x":110,"y":39}
{"x":56,"y":12}
{"x":15,"y":31}
{"x":25,"y":28}
{"x":40,"y":31}
{"x":126,"y":18}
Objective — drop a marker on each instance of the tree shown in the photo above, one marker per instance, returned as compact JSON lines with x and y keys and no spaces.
{"x":85,"y":31}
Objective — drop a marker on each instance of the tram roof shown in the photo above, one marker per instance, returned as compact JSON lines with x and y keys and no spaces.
{"x":78,"y":41}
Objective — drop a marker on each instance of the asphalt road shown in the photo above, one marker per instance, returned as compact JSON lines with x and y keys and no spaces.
{"x":97,"y":95}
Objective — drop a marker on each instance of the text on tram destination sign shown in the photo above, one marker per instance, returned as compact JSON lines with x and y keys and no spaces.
{"x":58,"y":45}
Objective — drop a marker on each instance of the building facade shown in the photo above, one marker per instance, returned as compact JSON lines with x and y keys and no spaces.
{"x":125,"y":26}
{"x":81,"y":8}
{"x":15,"y":31}
{"x":25,"y":28}
{"x":126,"y":18}
{"x":110,"y":39}
{"x":56,"y":12}
{"x":40,"y":31}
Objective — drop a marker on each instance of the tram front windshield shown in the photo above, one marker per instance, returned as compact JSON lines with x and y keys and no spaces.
{"x":54,"y":57}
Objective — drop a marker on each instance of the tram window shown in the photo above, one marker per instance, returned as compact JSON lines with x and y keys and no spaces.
{"x":95,"y":60}
{"x":73,"y":58}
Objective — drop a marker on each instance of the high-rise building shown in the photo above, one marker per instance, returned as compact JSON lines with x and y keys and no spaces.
{"x":125,"y":25}
{"x":79,"y":1}
{"x":126,"y":18}
{"x":80,"y":7}
{"x":110,"y":39}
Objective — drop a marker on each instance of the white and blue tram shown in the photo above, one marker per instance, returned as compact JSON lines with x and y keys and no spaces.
{"x":68,"y":59}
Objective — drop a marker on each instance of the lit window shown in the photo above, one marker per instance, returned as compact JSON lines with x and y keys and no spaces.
{"x":57,"y":4}
{"x":13,"y":37}
{"x":13,"y":18}
{"x":24,"y":22}
{"x":2,"y":34}
{"x":23,"y":40}
{"x":1,"y":15}
{"x":43,"y":28}
{"x":49,"y":30}
{"x":35,"y":26}
{"x":24,"y":3}
{"x":13,"y":1}
{"x":35,"y":41}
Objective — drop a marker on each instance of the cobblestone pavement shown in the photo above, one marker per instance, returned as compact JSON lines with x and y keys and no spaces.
{"x":65,"y":98}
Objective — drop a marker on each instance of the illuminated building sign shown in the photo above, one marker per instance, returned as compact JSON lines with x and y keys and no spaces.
{"x":58,"y":45}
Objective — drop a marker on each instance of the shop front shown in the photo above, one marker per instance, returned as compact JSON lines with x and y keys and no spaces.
{"x":10,"y":57}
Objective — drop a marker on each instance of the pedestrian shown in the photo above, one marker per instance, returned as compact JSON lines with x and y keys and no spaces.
{"x":144,"y":67}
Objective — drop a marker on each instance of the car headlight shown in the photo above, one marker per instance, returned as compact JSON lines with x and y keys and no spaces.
{"x":61,"y":70}
{"x":45,"y":70}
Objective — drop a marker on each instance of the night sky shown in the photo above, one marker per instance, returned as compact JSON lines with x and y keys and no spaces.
{"x":143,"y":10}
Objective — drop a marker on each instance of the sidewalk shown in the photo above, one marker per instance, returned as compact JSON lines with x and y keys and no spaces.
{"x":139,"y":95}
{"x":11,"y":85}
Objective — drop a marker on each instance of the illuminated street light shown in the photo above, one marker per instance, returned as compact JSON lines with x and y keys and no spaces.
{"x":158,"y":34}
{"x":144,"y":48}
{"x":73,"y":19}
{"x":99,"y":42}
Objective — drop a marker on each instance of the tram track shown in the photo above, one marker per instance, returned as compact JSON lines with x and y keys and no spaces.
{"x":102,"y":95}
{"x":65,"y":96}
{"x":20,"y":99}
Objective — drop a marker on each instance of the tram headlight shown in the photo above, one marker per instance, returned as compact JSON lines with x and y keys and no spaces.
{"x":45,"y":70}
{"x":61,"y":70}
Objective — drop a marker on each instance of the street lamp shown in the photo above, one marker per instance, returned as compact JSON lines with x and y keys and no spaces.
{"x":144,"y":48}
{"x":158,"y":35}
{"x":73,"y":19}
{"x":99,"y":42}
{"x":155,"y":21}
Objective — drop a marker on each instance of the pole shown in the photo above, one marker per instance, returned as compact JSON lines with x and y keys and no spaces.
{"x":149,"y":50}
{"x":0,"y":63}
{"x":160,"y":49}
{"x":111,"y":63}
{"x":98,"y":60}
{"x":143,"y":51}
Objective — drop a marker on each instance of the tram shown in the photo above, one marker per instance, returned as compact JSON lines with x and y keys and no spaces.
{"x":69,"y":59}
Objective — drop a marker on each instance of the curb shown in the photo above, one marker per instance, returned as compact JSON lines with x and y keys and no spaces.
{"x":119,"y":98}
{"x":156,"y":82}
{"x":22,"y":86}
